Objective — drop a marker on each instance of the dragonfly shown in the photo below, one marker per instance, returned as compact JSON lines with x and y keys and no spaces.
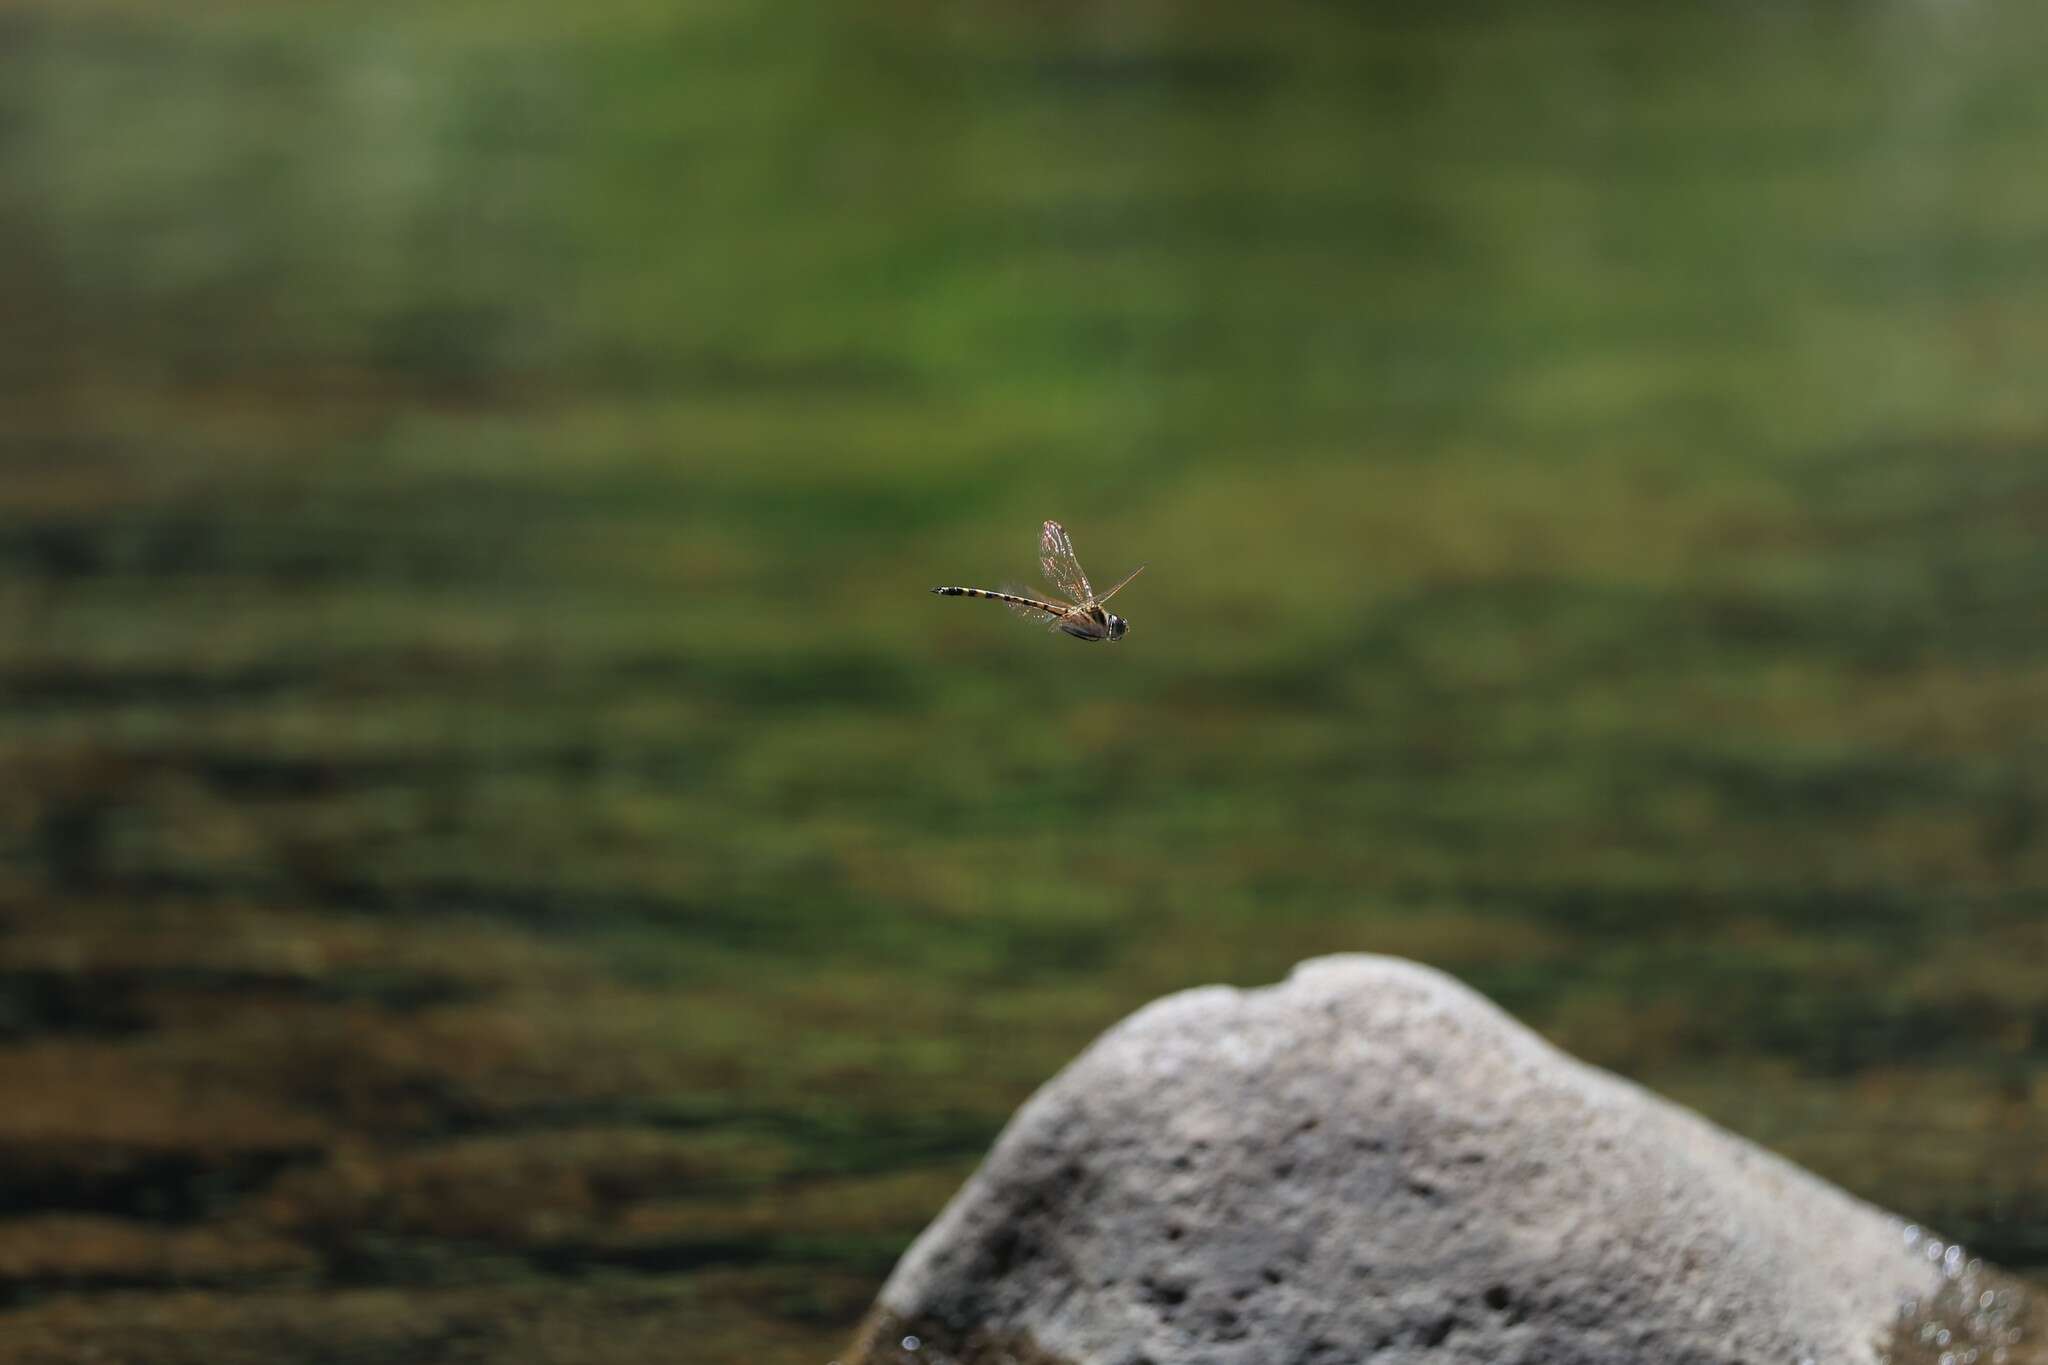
{"x":1072,"y":605}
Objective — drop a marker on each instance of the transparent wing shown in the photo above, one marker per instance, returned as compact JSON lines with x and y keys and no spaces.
{"x":1062,"y":570}
{"x":1034,"y":613}
{"x":1120,"y":585}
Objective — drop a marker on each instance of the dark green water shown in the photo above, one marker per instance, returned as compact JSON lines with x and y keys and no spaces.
{"x":500,"y":856}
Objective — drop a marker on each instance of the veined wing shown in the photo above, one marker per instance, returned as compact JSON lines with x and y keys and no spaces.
{"x":1045,"y":609}
{"x":1119,"y":585}
{"x":1062,"y":569}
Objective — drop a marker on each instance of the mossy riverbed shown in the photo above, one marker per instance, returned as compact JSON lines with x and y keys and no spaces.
{"x":500,"y":856}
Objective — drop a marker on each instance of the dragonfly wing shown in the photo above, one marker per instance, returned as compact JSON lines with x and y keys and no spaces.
{"x":1062,"y":569}
{"x":1050,"y":612}
{"x":1120,"y":585}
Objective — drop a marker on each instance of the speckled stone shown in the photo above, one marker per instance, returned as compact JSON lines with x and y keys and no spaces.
{"x":1369,"y":1162}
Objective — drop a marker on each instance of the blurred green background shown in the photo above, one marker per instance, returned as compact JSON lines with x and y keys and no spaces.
{"x":501,"y":858}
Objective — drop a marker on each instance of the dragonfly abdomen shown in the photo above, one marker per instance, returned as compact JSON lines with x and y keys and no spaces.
{"x":1001,"y":597}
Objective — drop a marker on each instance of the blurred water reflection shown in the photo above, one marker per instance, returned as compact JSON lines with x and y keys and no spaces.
{"x":499,"y":844}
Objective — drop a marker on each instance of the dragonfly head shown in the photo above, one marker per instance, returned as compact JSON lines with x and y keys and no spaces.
{"x":1117,"y":626}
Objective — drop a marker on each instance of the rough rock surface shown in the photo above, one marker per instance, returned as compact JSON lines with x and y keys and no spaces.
{"x":1369,"y":1162}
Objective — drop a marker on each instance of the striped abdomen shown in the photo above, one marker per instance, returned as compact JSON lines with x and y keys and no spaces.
{"x":1083,"y":623}
{"x":1012,"y":598}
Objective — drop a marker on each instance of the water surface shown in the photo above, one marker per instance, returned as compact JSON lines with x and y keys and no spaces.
{"x":502,"y":858}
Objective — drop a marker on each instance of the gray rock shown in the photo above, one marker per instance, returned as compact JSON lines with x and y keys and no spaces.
{"x":1369,"y":1162}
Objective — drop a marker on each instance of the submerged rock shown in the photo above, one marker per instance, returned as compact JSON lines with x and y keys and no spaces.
{"x":1369,"y":1162}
